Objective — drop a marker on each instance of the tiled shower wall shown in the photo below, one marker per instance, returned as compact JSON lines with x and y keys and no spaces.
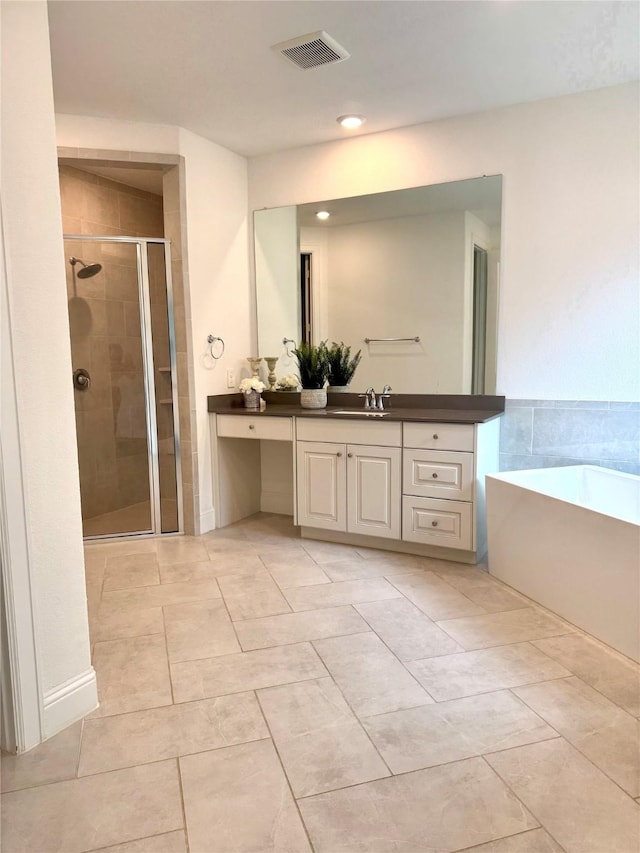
{"x":174,"y":203}
{"x":105,"y":337}
{"x":548,"y":433}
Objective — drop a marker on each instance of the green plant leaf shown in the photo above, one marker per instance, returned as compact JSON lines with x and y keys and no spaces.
{"x":313,"y":364}
{"x":341,"y":364}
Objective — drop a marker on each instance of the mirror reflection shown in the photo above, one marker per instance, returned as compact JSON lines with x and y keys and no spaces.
{"x":409,"y":277}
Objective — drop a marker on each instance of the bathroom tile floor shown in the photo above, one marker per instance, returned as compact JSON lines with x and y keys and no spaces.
{"x":260,"y":692}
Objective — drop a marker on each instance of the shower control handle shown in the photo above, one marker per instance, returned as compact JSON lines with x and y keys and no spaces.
{"x":81,"y":379}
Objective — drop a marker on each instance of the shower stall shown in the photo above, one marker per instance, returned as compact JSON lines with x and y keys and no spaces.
{"x":125,"y":384}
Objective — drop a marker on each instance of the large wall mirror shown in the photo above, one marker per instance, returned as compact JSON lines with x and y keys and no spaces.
{"x":409,"y":277}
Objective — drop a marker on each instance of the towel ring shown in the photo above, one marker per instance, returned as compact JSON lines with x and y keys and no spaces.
{"x":285,"y":342}
{"x":212,"y":340}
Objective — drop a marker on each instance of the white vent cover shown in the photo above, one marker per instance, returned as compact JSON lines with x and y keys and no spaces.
{"x":312,"y":50}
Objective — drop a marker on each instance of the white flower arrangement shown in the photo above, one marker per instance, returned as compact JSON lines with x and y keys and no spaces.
{"x":252,"y":383}
{"x":288,"y":383}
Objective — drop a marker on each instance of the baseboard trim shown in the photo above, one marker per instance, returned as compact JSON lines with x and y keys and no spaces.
{"x":207,"y":521}
{"x":456,"y":555}
{"x":70,"y":702}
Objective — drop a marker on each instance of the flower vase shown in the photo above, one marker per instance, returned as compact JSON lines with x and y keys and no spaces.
{"x":313,"y":398}
{"x":252,"y":399}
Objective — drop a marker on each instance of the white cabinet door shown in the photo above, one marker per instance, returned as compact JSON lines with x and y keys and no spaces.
{"x":373,"y":490}
{"x":322,"y":485}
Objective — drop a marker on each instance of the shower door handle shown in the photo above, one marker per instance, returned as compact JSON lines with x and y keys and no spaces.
{"x":81,"y":379}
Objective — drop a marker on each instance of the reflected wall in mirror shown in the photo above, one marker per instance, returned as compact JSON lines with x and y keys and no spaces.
{"x":417,"y":263}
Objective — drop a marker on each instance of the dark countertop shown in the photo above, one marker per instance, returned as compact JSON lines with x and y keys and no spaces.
{"x":455,"y":409}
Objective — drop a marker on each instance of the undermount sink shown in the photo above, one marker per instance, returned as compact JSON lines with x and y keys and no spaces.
{"x":366,"y":412}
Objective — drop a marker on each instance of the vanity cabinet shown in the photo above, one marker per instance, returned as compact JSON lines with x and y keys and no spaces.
{"x":443,"y":483}
{"x":410,"y":486}
{"x":346,"y":486}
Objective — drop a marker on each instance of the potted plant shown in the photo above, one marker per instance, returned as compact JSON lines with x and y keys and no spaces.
{"x":342,"y":366}
{"x":313,"y":366}
{"x":252,"y":389}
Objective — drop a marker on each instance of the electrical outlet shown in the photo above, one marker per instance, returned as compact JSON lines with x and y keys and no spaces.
{"x":231,"y":379}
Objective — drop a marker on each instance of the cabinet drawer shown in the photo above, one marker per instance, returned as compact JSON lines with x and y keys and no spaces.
{"x":438,"y":474}
{"x":448,"y":524}
{"x":439,"y":436}
{"x":349,"y":432}
{"x":248,"y":426}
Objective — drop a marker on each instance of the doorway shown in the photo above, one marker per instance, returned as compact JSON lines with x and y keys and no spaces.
{"x":306,"y":298}
{"x":125,"y":384}
{"x":480,"y":270}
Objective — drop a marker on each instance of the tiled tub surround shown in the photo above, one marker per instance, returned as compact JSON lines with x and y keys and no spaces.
{"x":548,"y":433}
{"x":260,"y":692}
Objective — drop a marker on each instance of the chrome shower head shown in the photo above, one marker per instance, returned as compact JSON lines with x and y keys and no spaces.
{"x":88,"y":270}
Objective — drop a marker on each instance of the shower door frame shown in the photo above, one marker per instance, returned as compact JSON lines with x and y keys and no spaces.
{"x":144,"y":297}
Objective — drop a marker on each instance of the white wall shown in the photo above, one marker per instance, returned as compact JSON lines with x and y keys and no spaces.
{"x":217,"y":254}
{"x":400,"y":277}
{"x":40,"y":344}
{"x":218,"y":268}
{"x":569,"y":296}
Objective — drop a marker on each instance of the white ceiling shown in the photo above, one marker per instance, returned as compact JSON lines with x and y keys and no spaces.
{"x":208,"y":65}
{"x":480,"y":196}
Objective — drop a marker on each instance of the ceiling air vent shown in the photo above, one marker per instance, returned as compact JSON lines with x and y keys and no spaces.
{"x":312,"y":50}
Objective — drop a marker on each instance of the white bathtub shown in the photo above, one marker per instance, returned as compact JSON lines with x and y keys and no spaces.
{"x":569,"y":538}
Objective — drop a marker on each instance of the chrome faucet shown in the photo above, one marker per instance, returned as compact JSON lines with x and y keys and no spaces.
{"x":369,"y":398}
{"x":384,"y":395}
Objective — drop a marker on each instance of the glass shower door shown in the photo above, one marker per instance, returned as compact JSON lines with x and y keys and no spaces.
{"x":111,"y":399}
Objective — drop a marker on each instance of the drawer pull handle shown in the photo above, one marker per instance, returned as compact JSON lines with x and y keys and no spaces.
{"x":251,"y":426}
{"x":338,"y":455}
{"x":434,"y":523}
{"x":435,"y":476}
{"x":350,"y":455}
{"x":435,"y":435}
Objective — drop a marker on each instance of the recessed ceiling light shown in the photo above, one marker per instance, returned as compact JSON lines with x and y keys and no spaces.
{"x":351,"y":122}
{"x":323,"y":214}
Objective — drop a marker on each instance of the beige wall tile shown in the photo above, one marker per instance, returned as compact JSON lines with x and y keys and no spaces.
{"x":100,"y":205}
